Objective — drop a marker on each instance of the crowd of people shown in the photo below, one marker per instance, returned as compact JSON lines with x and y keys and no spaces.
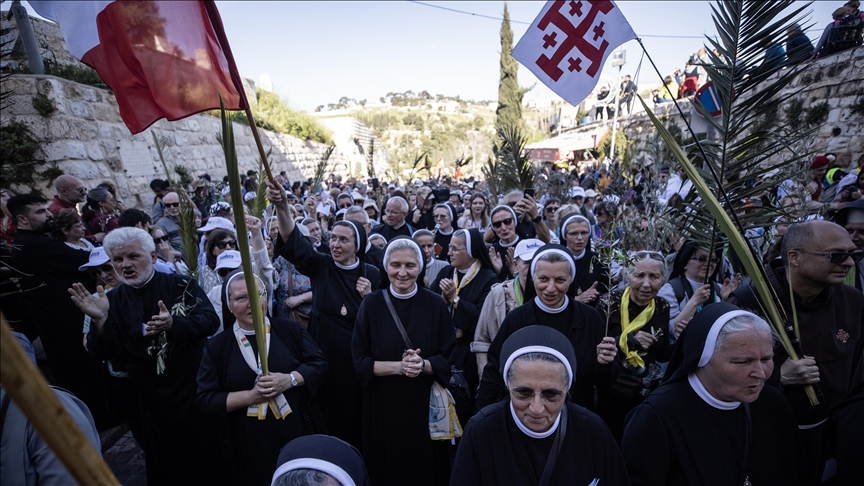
{"x":564,"y":366}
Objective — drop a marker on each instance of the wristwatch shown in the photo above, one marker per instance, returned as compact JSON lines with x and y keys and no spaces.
{"x":455,"y":301}
{"x":537,"y":219}
{"x":293,"y":380}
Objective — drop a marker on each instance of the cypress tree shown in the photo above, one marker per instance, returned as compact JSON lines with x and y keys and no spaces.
{"x":509,"y":111}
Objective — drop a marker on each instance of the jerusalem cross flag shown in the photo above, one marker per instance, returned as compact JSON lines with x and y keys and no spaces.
{"x":567,"y":44}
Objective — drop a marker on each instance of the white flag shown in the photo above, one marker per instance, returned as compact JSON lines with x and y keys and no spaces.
{"x":567,"y":44}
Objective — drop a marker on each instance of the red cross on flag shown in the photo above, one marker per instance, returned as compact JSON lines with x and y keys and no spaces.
{"x":568,"y":42}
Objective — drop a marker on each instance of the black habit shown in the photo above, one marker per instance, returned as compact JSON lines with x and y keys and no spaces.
{"x":335,"y":302}
{"x":494,"y":452}
{"x":584,"y":329}
{"x":443,"y":241}
{"x":181,"y":445}
{"x":466,"y":315}
{"x":396,"y":408}
{"x":389,"y":232}
{"x":50,"y":267}
{"x":255,"y":443}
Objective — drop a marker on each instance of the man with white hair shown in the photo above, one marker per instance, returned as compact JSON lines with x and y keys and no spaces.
{"x":396,"y":210}
{"x":159,"y":323}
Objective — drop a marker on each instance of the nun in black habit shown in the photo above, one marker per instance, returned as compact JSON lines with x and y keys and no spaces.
{"x":445,"y":226}
{"x":230,"y":383}
{"x":319,"y":458}
{"x":713,"y":421}
{"x":464,"y":285}
{"x":553,"y":308}
{"x":536,"y":436}
{"x":339,"y":280}
{"x":591,"y":274}
{"x":397,"y":375}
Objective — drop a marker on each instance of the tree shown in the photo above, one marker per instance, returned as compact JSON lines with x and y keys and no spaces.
{"x":509,"y":111}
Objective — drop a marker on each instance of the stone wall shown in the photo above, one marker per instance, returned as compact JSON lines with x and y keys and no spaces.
{"x":86,"y":137}
{"x":837,"y":80}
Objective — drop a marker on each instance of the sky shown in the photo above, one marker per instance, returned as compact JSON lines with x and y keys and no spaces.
{"x":317,"y":52}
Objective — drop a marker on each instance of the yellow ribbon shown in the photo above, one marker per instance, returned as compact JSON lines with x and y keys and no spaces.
{"x":627,"y":327}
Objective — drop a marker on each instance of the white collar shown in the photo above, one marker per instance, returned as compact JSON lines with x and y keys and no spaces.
{"x":549,"y":310}
{"x":707,"y":397}
{"x":397,"y":227}
{"x":581,"y":255}
{"x":440,"y":231}
{"x":506,"y":245}
{"x":146,"y":282}
{"x":348,"y":267}
{"x":404,"y":296}
{"x":531,"y":433}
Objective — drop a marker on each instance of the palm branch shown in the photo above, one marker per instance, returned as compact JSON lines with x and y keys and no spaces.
{"x":242,"y":235}
{"x":260,"y":204}
{"x":370,"y":159}
{"x":515,"y":168}
{"x":750,"y":141}
{"x":321,"y":167}
{"x":416,"y":167}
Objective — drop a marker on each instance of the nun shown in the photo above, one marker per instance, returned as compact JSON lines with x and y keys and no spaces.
{"x":445,"y":225}
{"x":547,"y":304}
{"x":319,"y":460}
{"x":398,"y":371}
{"x":591,"y":279}
{"x":340,"y":280}
{"x":537,"y":436}
{"x":464,"y":285}
{"x":713,"y":421}
{"x":230,"y":383}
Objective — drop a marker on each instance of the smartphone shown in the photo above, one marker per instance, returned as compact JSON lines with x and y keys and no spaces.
{"x":375,"y":183}
{"x":530,"y":192}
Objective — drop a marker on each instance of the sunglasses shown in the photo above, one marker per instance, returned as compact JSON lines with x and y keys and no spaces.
{"x":161,"y":239}
{"x":551,"y":209}
{"x":838,"y":257}
{"x":497,"y":224}
{"x":223,"y":272}
{"x":549,"y":395}
{"x":107,"y":268}
{"x":222,"y":244}
{"x":172,"y":205}
{"x":703,"y":259}
{"x":441,"y":216}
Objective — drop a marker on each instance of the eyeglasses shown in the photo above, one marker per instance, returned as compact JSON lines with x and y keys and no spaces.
{"x":497,"y":224}
{"x":223,"y":272}
{"x":390,"y":211}
{"x":552,"y":209}
{"x":440,"y":216}
{"x":703,"y":259}
{"x":454,"y":249}
{"x":172,"y":205}
{"x":653,"y":255}
{"x":341,"y":239}
{"x":107,"y":268}
{"x":345,"y":205}
{"x":525,"y":394}
{"x":243,"y":299}
{"x":512,"y":203}
{"x":161,"y":239}
{"x":222,"y":244}
{"x":838,"y":257}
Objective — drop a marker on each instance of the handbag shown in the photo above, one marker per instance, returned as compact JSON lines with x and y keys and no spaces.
{"x":294,"y":314}
{"x":443,"y":420}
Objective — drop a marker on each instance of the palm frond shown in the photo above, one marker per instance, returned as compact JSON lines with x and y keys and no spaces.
{"x":160,"y":143}
{"x":370,"y":158}
{"x":260,"y":203}
{"x":188,"y":232}
{"x":516,"y":169}
{"x":321,"y":167}
{"x":242,"y":235}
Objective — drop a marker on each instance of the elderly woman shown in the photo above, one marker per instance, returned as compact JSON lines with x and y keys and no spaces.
{"x":464,"y":285}
{"x":70,"y":230}
{"x":477,"y":215}
{"x":99,"y":211}
{"x":537,"y":436}
{"x":713,"y":421}
{"x":445,"y":218}
{"x":230,"y":383}
{"x":340,"y":280}
{"x":505,"y":221}
{"x":692,"y":266}
{"x":638,"y":320}
{"x":591,"y":279}
{"x":547,"y":304}
{"x":293,"y":293}
{"x":397,"y":371}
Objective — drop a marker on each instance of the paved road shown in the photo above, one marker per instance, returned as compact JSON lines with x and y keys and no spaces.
{"x":126,"y":460}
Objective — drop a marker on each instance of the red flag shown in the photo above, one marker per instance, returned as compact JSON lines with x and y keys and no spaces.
{"x":568,"y":42}
{"x":162,"y":59}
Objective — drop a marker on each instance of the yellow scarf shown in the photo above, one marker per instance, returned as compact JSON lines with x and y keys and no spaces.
{"x":627,"y":327}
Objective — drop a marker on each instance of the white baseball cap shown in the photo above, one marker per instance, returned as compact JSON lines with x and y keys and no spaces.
{"x":217,"y":222}
{"x":590,"y":193}
{"x":228,"y":259}
{"x":576,"y":192}
{"x":526,"y":249}
{"x":98,"y":257}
